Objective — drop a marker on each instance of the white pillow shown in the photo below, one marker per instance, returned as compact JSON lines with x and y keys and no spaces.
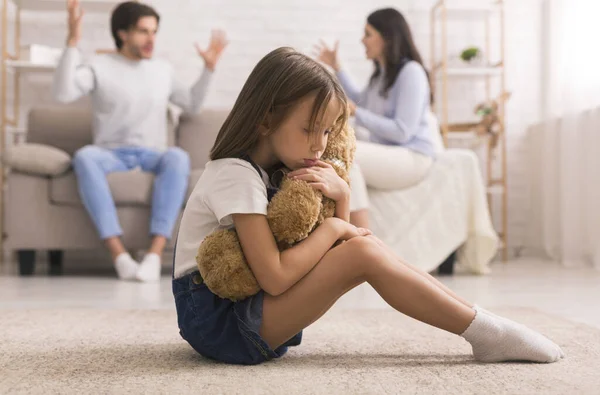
{"x":38,"y":159}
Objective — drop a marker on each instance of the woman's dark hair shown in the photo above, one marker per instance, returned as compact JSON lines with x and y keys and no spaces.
{"x":399,"y":46}
{"x":275,"y":86}
{"x":126,"y":16}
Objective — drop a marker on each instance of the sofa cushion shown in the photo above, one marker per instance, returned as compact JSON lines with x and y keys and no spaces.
{"x":69,"y":126}
{"x":194,"y":177}
{"x":197,"y":134}
{"x":65,"y":126}
{"x":129,"y":188}
{"x":132,"y":188}
{"x":37,"y":159}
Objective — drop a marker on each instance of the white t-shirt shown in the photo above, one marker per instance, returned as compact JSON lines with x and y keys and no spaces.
{"x":227,"y":186}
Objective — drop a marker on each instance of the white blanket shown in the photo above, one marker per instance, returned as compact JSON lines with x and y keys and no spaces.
{"x":448,"y":210}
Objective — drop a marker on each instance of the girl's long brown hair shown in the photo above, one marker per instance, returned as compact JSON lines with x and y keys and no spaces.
{"x":275,"y":86}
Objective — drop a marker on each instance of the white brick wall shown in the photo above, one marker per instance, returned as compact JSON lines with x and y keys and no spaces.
{"x":257,"y":26}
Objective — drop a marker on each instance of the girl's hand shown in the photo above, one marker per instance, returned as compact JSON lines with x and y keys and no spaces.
{"x":328,"y":55}
{"x":348,"y":231}
{"x":323,"y":177}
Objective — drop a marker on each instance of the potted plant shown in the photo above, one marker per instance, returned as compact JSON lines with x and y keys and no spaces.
{"x":471,"y":54}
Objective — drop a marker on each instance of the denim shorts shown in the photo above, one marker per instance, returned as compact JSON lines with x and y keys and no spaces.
{"x":220,"y":329}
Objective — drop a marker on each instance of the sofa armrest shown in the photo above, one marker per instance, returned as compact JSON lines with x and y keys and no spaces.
{"x":37,"y":159}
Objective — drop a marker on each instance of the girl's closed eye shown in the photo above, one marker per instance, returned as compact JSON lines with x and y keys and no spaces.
{"x":326,"y":132}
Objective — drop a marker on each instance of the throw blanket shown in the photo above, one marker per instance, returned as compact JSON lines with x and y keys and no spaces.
{"x":448,"y":210}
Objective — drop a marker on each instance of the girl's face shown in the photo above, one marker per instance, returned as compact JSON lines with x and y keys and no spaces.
{"x":294,"y":144}
{"x":374,"y":43}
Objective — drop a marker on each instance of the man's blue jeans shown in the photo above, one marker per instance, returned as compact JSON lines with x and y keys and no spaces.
{"x":171,"y":168}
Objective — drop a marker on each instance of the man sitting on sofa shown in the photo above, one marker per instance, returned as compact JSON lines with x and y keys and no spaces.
{"x":130,"y":91}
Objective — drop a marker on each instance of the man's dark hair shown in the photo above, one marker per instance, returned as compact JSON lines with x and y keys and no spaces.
{"x":126,"y":16}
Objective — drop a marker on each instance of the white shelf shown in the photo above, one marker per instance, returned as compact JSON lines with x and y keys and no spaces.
{"x":24,"y":66}
{"x":497,"y":189}
{"x":471,"y":71}
{"x":457,"y":8}
{"x":97,"y":6}
{"x":466,"y":139}
{"x":463,"y":135}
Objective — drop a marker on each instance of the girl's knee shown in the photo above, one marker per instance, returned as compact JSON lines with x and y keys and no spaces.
{"x":364,"y":244}
{"x":364,"y":252}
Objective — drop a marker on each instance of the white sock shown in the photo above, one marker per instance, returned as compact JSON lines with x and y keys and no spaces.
{"x":496,"y":339}
{"x":484,"y":311}
{"x":126,"y":266}
{"x":149,"y":270}
{"x":480,"y":309}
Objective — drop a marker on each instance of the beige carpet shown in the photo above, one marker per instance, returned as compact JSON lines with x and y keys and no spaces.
{"x":380,"y":352}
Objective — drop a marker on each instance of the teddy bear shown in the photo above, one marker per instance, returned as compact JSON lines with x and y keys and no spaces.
{"x":293,"y":213}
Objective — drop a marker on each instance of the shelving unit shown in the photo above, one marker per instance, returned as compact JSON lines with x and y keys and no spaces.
{"x":21,"y":66}
{"x":442,"y":72}
{"x":11,"y":63}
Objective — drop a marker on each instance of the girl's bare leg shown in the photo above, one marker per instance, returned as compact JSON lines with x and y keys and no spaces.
{"x":363,"y":259}
{"x":426,"y":275}
{"x":343,"y":268}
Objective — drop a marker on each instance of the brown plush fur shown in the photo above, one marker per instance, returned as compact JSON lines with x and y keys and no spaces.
{"x":223,"y":266}
{"x":294,"y":212}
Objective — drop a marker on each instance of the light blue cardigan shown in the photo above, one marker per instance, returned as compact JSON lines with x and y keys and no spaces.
{"x":401,"y":117}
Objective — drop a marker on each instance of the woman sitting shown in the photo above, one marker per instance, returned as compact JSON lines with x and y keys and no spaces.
{"x":394,"y":108}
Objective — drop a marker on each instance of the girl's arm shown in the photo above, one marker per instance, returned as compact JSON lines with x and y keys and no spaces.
{"x":342,"y":208}
{"x":277,"y":271}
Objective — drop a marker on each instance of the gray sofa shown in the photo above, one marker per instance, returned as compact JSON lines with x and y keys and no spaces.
{"x":443,"y":218}
{"x":44,"y":213}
